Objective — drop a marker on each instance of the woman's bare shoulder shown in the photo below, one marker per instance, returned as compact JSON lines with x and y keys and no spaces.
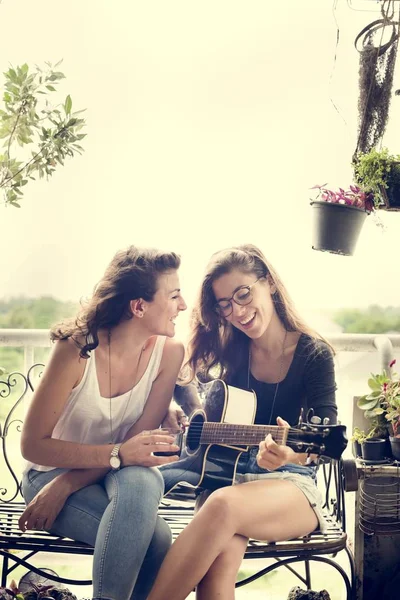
{"x":174,"y":345}
{"x":65,"y":358}
{"x":173,"y":352}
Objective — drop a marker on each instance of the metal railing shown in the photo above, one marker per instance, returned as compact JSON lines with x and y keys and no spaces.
{"x":29,"y":339}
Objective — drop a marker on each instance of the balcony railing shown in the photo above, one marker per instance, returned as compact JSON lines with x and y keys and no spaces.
{"x":29,"y":339}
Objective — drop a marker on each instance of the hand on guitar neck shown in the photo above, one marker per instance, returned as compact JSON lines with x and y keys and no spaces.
{"x":271,"y":455}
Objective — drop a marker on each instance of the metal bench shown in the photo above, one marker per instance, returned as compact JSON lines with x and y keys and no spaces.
{"x":18,"y":548}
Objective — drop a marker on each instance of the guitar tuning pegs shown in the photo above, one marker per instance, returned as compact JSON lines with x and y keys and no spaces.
{"x":310,"y":415}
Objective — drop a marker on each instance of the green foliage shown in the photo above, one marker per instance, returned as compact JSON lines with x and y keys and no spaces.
{"x":28,"y":118}
{"x":382,"y":404}
{"x":34,"y":313}
{"x":376,"y":170}
{"x":374,"y":319}
{"x":30,"y":313}
{"x":36,"y":592}
{"x":358,"y":435}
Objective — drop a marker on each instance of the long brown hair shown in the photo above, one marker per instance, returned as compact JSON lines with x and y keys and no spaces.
{"x":217,"y":348}
{"x":133,"y":273}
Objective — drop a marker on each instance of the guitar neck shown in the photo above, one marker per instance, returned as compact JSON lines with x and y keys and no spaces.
{"x":243,"y":435}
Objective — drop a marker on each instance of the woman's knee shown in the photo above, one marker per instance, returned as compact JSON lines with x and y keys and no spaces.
{"x":137,"y":481}
{"x":219,"y":508}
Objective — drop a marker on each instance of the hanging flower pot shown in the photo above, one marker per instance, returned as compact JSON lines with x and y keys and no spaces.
{"x":338,"y":219}
{"x":390,"y":197}
{"x":379,"y":172}
{"x":336,"y":227}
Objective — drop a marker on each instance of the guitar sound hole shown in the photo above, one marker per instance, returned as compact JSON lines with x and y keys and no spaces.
{"x":194,"y":433}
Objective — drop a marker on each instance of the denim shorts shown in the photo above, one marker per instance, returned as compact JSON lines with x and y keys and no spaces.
{"x":303,"y":478}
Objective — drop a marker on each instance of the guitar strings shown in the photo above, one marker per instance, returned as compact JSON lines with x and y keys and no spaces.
{"x":232,"y":432}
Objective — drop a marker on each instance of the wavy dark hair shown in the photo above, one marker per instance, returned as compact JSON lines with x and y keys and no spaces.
{"x":216,"y":348}
{"x":133,"y":273}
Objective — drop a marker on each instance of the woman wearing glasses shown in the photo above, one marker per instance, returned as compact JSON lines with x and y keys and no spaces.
{"x":246,"y":331}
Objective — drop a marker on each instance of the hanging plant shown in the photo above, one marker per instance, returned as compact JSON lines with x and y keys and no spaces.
{"x":377,"y":63}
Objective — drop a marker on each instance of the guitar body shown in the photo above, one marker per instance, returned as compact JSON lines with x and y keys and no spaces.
{"x":211,"y":466}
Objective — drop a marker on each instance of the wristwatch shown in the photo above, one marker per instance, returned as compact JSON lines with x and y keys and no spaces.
{"x":115,"y":461}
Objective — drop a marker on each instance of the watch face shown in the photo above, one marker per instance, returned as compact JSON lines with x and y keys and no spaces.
{"x":115,"y":462}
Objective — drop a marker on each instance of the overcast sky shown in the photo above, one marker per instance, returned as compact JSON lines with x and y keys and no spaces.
{"x":208,"y":122}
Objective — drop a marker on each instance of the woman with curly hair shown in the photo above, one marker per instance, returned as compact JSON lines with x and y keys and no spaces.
{"x":93,"y":424}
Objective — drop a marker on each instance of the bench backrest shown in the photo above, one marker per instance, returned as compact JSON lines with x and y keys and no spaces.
{"x":15,"y":391}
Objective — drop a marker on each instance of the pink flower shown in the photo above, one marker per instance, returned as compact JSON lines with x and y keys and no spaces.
{"x":393,"y":362}
{"x":354,"y":196}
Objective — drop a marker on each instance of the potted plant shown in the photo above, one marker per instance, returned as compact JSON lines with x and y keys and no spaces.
{"x":382,"y":408}
{"x":51,"y":132}
{"x":45,"y":592}
{"x":36,"y":592}
{"x":338,"y":218}
{"x":377,"y":172}
{"x":375,"y":448}
{"x":358,"y":438}
{"x":391,"y":402}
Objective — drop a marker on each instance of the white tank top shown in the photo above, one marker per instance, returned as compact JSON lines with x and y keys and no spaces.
{"x":86,"y":415}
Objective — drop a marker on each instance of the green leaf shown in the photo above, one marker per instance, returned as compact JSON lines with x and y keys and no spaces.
{"x":367,"y":403}
{"x":376,"y":411}
{"x":374,"y":394}
{"x":374,"y":384}
{"x":68,"y":105}
{"x":11,"y":74}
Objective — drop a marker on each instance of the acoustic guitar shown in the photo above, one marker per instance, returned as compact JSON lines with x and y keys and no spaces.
{"x":220,"y":431}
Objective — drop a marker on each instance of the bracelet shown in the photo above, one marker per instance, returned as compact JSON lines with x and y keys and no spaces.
{"x":309,"y":462}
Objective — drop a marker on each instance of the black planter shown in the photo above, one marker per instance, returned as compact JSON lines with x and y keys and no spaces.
{"x":395,"y":446}
{"x":357,"y":449}
{"x":336,"y":227}
{"x":375,"y":449}
{"x":391,"y":197}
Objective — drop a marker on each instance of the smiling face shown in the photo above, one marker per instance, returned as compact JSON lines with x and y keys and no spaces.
{"x":167,"y":303}
{"x":255,"y":317}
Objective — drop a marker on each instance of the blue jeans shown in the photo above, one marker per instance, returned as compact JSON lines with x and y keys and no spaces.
{"x":247,"y":463}
{"x":118,"y":516}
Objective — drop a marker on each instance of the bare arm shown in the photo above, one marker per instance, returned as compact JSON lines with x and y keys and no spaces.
{"x":187,"y":397}
{"x":62,"y":374}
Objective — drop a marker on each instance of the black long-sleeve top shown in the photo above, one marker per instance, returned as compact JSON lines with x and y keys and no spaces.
{"x":309,"y":383}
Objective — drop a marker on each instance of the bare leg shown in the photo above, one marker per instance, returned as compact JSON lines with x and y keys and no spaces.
{"x":219,"y":581}
{"x":268,"y":510}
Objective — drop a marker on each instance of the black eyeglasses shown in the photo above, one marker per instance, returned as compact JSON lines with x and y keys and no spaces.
{"x":242,"y":296}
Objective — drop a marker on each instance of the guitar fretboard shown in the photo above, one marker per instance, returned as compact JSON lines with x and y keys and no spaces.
{"x":247,"y":435}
